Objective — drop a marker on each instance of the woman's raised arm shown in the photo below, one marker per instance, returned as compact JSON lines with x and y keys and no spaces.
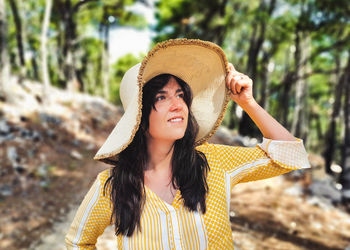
{"x":241,"y":87}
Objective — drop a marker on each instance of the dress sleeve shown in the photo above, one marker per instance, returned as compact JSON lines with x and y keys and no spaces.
{"x":92,"y":217}
{"x":268,"y":159}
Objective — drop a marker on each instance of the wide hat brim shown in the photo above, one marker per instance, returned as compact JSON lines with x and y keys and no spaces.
{"x":201,"y":64}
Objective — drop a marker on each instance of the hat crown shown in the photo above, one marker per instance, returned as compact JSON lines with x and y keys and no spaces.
{"x":129,"y":86}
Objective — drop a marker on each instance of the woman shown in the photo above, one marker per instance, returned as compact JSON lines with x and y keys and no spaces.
{"x":169,"y":189}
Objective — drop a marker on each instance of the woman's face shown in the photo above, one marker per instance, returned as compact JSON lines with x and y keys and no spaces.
{"x":168,"y":121}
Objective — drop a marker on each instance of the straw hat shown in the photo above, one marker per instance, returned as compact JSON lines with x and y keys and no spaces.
{"x":201,"y":64}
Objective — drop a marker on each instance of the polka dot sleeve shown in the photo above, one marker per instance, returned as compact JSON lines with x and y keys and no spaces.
{"x":268,"y":159}
{"x":92,"y":217}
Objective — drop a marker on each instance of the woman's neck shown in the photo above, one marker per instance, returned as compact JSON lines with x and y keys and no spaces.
{"x":158,"y":175}
{"x":160,"y":154}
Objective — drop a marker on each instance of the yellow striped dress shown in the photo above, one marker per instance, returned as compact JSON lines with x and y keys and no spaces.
{"x":172,"y":226}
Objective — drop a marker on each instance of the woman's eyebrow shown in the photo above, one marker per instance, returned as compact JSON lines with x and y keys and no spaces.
{"x":164,"y":91}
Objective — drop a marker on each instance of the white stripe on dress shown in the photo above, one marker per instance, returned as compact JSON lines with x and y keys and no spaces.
{"x":126,"y":242}
{"x":176,"y":228}
{"x":236,"y":172}
{"x":201,"y":230}
{"x":164,"y":229}
{"x":86,"y":213}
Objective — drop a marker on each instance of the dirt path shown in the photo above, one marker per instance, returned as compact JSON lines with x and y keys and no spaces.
{"x":47,"y":168}
{"x":263,"y":217}
{"x":54,"y":240}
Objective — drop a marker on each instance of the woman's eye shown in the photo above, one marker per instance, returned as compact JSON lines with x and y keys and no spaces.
{"x":159,"y":98}
{"x":181,"y":95}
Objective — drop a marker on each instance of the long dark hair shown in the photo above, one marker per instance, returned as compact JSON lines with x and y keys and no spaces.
{"x":189,"y":166}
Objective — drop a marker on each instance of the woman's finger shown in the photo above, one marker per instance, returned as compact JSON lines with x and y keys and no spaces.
{"x":233,"y":79}
{"x":231,"y":67}
{"x":233,"y":87}
{"x":238,"y":86}
{"x":229,"y":78}
{"x":244,"y":82}
{"x":231,"y":73}
{"x":237,"y":81}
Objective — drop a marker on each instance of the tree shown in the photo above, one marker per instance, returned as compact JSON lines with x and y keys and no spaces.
{"x":345,"y":161}
{"x":295,"y":51}
{"x":331,"y":139}
{"x":104,"y":36}
{"x":68,"y":12}
{"x":263,"y":14}
{"x":302,"y":49}
{"x":333,"y":32}
{"x":19,"y":37}
{"x":32,"y":29}
{"x":97,"y":15}
{"x":4,"y":62}
{"x":45,"y":71}
{"x":208,"y":20}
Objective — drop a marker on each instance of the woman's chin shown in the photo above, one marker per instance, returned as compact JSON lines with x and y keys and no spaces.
{"x":174,"y":137}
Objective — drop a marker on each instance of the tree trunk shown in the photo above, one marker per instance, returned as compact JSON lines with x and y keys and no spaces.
{"x":264,"y":91}
{"x":220,"y":30}
{"x":35,"y":67}
{"x":4,"y":60}
{"x":253,"y":55}
{"x":331,"y":133}
{"x":266,"y":68}
{"x":19,"y":37}
{"x":44,"y":64}
{"x":68,"y":48}
{"x":284,"y":99}
{"x":215,"y":34}
{"x":286,"y":86}
{"x":257,"y":40}
{"x":299,"y":126}
{"x":105,"y":63}
{"x":60,"y":55}
{"x":72,"y":83}
{"x":246,"y":125}
{"x":84,"y":72}
{"x":345,"y":159}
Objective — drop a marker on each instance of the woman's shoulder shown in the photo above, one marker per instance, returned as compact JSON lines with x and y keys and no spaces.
{"x":206,"y":147}
{"x":103,"y":176}
{"x":209,"y":148}
{"x":101,"y":181}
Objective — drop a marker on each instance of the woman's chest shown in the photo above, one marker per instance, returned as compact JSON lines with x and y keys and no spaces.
{"x":172,"y":226}
{"x":165,"y":226}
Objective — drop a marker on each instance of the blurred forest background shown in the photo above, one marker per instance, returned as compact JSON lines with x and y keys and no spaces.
{"x":296,"y":51}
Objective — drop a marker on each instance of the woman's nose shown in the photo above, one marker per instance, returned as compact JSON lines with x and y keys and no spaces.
{"x":176,"y":103}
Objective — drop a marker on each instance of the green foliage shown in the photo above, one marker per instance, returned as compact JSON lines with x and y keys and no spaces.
{"x":111,"y":13}
{"x":185,"y":18}
{"x":91,"y":63}
{"x":134,"y":20}
{"x":118,"y":70}
{"x":233,"y":24}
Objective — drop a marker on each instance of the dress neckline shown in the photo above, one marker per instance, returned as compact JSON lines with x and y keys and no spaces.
{"x":175,"y":201}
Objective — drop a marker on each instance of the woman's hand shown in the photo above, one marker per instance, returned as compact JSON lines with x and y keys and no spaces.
{"x":241,"y":87}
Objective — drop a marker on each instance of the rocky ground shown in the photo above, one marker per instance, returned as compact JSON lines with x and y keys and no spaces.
{"x":46,"y":168}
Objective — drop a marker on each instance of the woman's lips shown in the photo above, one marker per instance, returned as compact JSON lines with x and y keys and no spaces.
{"x":176,"y":119}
